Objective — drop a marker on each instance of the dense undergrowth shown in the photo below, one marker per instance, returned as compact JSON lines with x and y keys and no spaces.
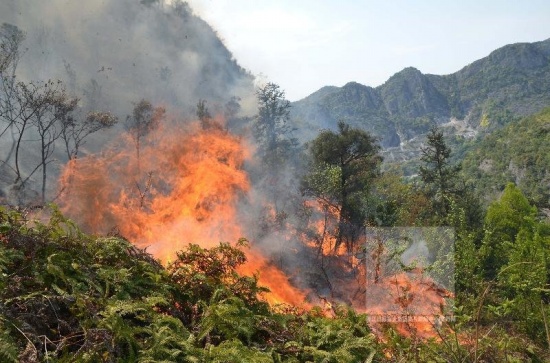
{"x":67,"y":296}
{"x":70,"y":297}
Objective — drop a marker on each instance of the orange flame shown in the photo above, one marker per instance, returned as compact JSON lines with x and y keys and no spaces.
{"x":184,"y":189}
{"x":411,"y":301}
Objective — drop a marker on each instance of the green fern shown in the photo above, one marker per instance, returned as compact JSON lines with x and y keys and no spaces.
{"x":230,"y":318}
{"x":8,"y":349}
{"x":234,"y":351}
{"x":169,"y":341}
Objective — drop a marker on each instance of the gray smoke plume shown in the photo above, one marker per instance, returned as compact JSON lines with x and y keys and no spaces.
{"x":113,"y":53}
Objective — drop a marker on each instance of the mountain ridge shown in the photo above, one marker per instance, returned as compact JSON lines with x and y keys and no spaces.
{"x":512,"y":81}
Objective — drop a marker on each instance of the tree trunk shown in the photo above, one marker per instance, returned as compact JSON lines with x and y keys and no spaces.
{"x":342,"y":221}
{"x":137,"y":150}
{"x":12,"y":148}
{"x":43,"y":173}
{"x":17,"y":171}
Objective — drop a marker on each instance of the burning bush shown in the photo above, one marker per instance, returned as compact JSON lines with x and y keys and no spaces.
{"x":67,"y":296}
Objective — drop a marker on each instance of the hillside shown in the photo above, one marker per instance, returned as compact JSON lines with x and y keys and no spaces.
{"x":70,"y":297}
{"x":512,"y":81}
{"x":518,"y":153}
{"x":112,"y":53}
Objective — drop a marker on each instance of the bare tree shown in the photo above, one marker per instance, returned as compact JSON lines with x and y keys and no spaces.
{"x":23,"y":109}
{"x":10,"y":48}
{"x":10,"y":52}
{"x":144,"y":119}
{"x":47,"y":108}
{"x":74,"y":131}
{"x":203,"y":114}
{"x":43,"y":107}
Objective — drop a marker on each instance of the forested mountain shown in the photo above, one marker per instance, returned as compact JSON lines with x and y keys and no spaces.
{"x":512,"y":81}
{"x":517,"y":153}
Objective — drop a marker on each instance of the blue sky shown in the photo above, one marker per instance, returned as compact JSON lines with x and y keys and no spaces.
{"x":304,"y":44}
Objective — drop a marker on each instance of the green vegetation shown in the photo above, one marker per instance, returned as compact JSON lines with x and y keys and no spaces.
{"x":70,"y":297}
{"x":439,"y":177}
{"x":518,"y":153}
{"x":271,"y":128}
{"x":343,"y":170}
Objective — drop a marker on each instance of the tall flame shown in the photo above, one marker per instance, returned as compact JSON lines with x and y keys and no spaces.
{"x":184,"y":188}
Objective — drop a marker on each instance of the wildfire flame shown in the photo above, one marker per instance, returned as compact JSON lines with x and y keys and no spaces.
{"x":410,"y":300}
{"x":184,"y":188}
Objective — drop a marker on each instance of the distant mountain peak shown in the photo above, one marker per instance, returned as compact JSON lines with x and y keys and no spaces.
{"x":512,"y":80}
{"x":355,"y":85}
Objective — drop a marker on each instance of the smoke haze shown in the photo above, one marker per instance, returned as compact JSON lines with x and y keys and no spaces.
{"x":111,"y":54}
{"x":126,"y":50}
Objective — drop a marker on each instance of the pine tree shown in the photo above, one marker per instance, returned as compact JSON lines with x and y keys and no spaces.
{"x":271,"y":128}
{"x":437,"y":173}
{"x":344,"y":167}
